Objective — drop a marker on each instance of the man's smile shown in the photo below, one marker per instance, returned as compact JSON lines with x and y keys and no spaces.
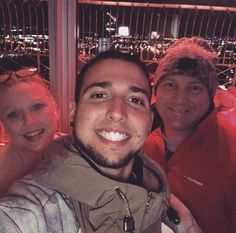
{"x":113,"y":136}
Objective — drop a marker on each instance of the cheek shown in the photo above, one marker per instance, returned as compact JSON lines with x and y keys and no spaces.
{"x":83,"y":127}
{"x":204,"y":108}
{"x":50,"y":116}
{"x":12,"y":129}
{"x":87,"y":114}
{"x":56,"y":117}
{"x":203,"y":103}
{"x":144,"y":125}
{"x":82,"y":120}
{"x":53,"y":122}
{"x":56,"y":114}
{"x":160,"y":99}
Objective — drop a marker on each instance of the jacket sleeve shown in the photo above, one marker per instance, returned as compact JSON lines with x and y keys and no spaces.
{"x":31,"y":207}
{"x":7,"y":225}
{"x":22,"y":210}
{"x":230,"y":196}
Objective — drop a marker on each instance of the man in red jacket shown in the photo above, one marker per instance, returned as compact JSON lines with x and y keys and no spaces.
{"x":195,"y":144}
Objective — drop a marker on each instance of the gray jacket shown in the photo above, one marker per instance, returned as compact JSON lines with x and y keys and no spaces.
{"x":65,"y":191}
{"x":31,"y":207}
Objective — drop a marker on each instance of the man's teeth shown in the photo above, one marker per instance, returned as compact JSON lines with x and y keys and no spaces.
{"x":33,"y":133}
{"x":113,"y":136}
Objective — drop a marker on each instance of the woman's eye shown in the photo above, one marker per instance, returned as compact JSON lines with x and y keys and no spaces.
{"x":12,"y":115}
{"x":38,"y":106}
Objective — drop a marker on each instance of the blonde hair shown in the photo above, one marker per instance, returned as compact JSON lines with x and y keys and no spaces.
{"x":25,"y":75}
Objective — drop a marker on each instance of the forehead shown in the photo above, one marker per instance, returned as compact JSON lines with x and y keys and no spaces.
{"x":116,"y":71}
{"x":20,"y":90}
{"x":183,"y":79}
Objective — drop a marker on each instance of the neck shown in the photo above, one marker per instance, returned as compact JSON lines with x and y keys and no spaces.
{"x":25,"y":158}
{"x":175,"y":138}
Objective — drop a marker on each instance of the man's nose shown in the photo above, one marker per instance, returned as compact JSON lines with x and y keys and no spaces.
{"x":180,"y":96}
{"x":117,"y":110}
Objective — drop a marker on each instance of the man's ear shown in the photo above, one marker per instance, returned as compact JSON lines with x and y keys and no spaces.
{"x":72,"y":109}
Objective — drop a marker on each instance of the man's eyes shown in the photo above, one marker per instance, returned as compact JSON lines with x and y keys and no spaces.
{"x":196,"y":88}
{"x":136,"y":101}
{"x":168,"y":85}
{"x":98,"y":95}
{"x":172,"y":86}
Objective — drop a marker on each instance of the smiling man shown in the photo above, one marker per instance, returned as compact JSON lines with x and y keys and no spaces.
{"x":195,"y":144}
{"x":112,"y":117}
{"x":98,"y":179}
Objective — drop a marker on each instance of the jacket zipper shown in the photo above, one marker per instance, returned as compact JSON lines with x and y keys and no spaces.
{"x":128,"y":221}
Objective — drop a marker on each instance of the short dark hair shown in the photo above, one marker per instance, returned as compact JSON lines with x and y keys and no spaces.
{"x":109,"y":54}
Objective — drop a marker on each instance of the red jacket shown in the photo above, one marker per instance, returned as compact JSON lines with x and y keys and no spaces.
{"x":202,"y":171}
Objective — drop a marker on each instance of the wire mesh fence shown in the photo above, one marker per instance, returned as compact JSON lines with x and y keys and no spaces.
{"x":146,"y":29}
{"x":24,"y":35}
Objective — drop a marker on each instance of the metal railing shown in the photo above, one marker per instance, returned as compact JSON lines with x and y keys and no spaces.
{"x":151,"y":28}
{"x":24,"y":34}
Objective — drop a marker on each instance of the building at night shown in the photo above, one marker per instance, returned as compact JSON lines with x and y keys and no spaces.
{"x":58,"y":37}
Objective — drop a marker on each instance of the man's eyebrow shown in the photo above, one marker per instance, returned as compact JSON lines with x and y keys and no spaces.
{"x":98,"y":84}
{"x":138,"y":89}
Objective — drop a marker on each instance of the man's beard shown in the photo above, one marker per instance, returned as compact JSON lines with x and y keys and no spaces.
{"x":92,"y":154}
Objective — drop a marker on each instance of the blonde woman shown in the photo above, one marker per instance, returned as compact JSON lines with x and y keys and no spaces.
{"x":29,"y":116}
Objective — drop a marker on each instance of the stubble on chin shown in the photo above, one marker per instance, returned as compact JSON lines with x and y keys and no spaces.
{"x":103,"y":160}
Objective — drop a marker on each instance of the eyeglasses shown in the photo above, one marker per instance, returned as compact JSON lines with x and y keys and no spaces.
{"x":23,"y":73}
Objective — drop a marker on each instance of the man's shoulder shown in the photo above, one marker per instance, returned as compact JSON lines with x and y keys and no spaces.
{"x":227,"y":119}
